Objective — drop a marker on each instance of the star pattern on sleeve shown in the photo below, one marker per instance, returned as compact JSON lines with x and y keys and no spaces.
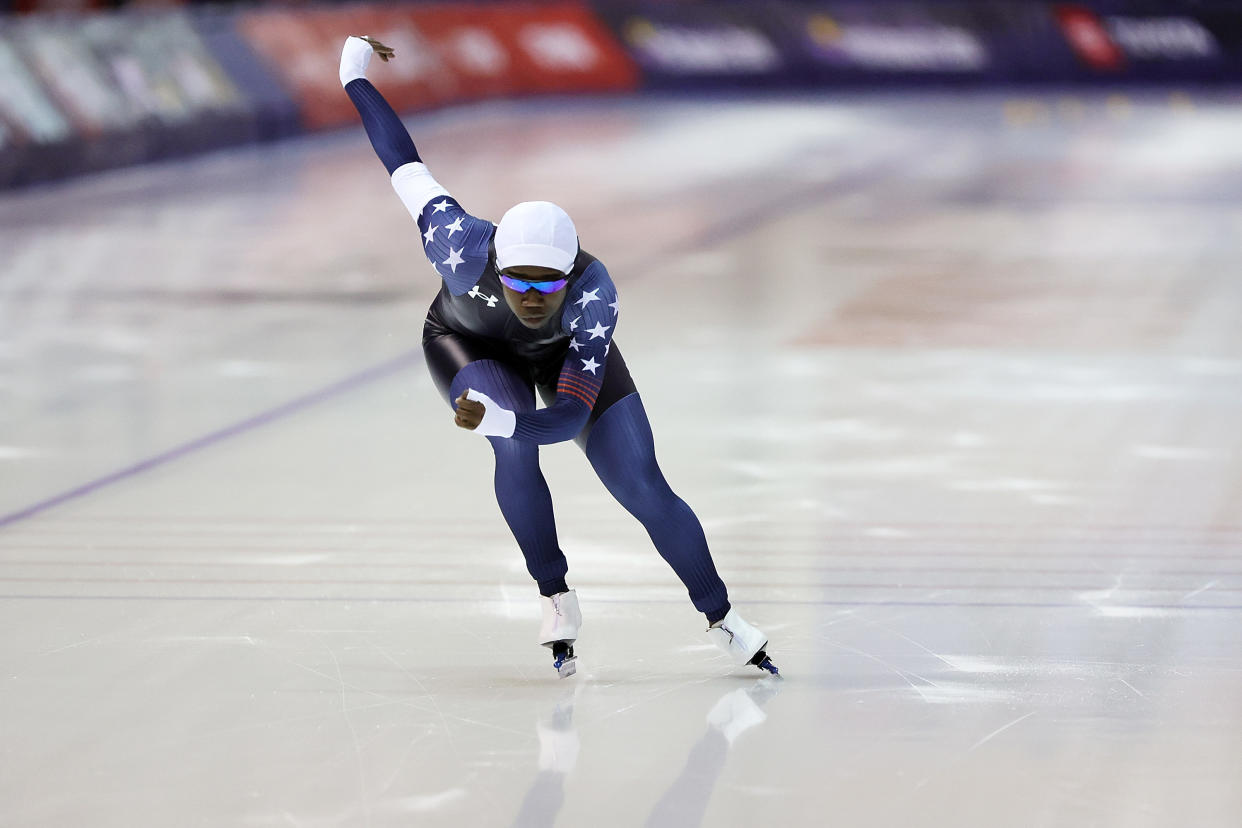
{"x":589,"y":364}
{"x":454,"y":259}
{"x":598,"y":331}
{"x":587,"y":298}
{"x":460,"y":255}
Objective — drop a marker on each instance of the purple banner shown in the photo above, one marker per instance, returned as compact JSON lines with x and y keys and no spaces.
{"x":724,"y":44}
{"x":950,"y":41}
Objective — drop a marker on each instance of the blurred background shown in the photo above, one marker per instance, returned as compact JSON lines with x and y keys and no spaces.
{"x":90,"y":85}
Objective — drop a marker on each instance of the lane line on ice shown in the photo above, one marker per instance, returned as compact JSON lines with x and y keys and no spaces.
{"x":350,"y":383}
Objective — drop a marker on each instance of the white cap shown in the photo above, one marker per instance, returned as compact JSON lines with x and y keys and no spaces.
{"x":536,"y":233}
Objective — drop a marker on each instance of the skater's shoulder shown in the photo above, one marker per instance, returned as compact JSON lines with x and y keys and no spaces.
{"x":590,"y":273}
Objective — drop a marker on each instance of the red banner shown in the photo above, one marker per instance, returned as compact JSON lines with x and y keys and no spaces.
{"x":1089,"y":38}
{"x":444,"y":53}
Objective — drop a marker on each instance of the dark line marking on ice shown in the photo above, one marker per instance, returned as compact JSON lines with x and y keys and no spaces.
{"x":294,"y":406}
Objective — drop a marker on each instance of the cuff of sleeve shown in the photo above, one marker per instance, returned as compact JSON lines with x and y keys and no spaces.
{"x":497,"y":421}
{"x":355,"y":57}
{"x":415,"y":187}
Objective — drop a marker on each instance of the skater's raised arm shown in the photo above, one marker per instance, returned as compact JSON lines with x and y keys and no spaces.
{"x":388,"y":135}
{"x":460,"y":262}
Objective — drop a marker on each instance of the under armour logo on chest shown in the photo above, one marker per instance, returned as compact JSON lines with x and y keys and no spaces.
{"x":475,"y":293}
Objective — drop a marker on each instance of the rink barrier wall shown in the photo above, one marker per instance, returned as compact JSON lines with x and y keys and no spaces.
{"x":783,"y":42}
{"x":81,"y":93}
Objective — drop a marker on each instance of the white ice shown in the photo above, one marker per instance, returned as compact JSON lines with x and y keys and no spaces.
{"x":954,"y":389}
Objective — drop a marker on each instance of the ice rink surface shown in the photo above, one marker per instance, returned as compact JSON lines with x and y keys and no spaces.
{"x":953,"y":382}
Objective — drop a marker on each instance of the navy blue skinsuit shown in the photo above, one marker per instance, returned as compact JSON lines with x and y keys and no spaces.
{"x":473,"y":340}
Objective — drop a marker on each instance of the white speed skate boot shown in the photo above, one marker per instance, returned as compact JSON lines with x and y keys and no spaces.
{"x":741,"y":642}
{"x":559,"y":631}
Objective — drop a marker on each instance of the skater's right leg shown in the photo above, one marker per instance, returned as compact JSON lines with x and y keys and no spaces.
{"x":458,"y":363}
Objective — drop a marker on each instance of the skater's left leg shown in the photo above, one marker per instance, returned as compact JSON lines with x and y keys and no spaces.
{"x":622,"y":452}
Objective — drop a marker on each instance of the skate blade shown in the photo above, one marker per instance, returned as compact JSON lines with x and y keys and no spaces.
{"x":767,"y":664}
{"x":762,"y":661}
{"x":567,"y":667}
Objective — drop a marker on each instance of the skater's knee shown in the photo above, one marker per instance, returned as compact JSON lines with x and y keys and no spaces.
{"x":642,"y":490}
{"x":498,"y":381}
{"x":514,"y":452}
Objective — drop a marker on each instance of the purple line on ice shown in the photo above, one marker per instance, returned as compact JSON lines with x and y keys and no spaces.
{"x":350,"y":383}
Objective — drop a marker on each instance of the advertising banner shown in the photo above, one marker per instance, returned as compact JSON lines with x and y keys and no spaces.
{"x":86,"y":93}
{"x":37,"y":141}
{"x":272,"y":111}
{"x":881,"y":40}
{"x":934,"y":41}
{"x":847,"y":42}
{"x":1146,"y":46}
{"x":444,"y":53}
{"x":721,"y":44}
{"x":561,"y":49}
{"x":303,"y":49}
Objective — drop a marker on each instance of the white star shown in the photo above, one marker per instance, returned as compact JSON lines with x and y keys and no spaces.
{"x":587,"y":298}
{"x":454,"y":227}
{"x":616,"y":308}
{"x":598,"y":331}
{"x":590,"y":365}
{"x":606,"y":348}
{"x":575,"y":344}
{"x":454,"y":259}
{"x":430,"y":234}
{"x":573,"y":326}
{"x":443,"y":205}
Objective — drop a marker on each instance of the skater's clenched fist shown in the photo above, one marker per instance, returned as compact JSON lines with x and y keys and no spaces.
{"x":469,"y":412}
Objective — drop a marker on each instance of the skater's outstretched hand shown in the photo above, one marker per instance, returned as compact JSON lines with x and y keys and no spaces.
{"x":469,"y":412}
{"x":382,"y":51}
{"x":356,"y":57}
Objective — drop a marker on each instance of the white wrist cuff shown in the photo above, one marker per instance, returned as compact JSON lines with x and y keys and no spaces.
{"x":355,"y":58}
{"x":415,"y":187}
{"x":497,"y":421}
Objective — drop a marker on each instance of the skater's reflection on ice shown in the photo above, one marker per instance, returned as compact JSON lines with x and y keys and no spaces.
{"x":685,"y":802}
{"x":558,"y":753}
{"x":739,"y":710}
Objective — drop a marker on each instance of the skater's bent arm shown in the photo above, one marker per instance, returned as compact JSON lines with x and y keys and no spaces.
{"x":589,"y":317}
{"x":557,"y":423}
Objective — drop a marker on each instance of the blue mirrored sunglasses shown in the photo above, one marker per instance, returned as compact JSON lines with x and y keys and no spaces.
{"x":522,"y":286}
